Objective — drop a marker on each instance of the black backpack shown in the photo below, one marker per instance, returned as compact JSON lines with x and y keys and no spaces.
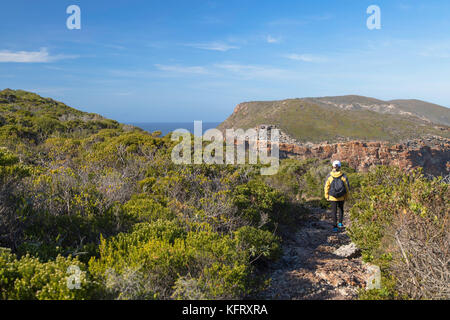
{"x":337,"y":188}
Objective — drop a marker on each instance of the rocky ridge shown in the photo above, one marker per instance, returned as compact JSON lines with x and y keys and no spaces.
{"x":380,"y":107}
{"x":431,"y":153}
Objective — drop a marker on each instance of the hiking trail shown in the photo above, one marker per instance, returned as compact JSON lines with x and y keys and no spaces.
{"x":311,"y":267}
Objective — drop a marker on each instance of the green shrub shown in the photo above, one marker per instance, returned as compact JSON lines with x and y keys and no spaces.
{"x":401,"y":223}
{"x":28,"y":278}
{"x":143,"y":208}
{"x":260,"y":243}
{"x":383,"y":191}
{"x":258,"y":204}
{"x":165,"y":261}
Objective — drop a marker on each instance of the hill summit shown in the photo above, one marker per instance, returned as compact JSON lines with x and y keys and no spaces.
{"x":28,"y":118}
{"x":344,"y":118}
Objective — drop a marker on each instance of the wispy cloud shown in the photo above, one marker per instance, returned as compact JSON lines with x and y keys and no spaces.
{"x":41,"y":56}
{"x":214,"y":71}
{"x":213,"y":46}
{"x":300,"y":21}
{"x":114,"y":46}
{"x":288,"y":22}
{"x":210,"y":20}
{"x":305,"y":57}
{"x":123,"y":93}
{"x":440,"y":51}
{"x":271,"y":39}
{"x":256,"y":71}
{"x":160,"y":70}
{"x":49,"y":90}
{"x":182,"y":69}
{"x":404,"y":6}
{"x":129,"y":73}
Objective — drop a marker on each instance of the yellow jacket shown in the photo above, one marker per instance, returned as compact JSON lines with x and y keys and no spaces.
{"x":336,"y":174}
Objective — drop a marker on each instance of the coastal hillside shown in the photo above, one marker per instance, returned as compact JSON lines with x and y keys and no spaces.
{"x":27,"y":118}
{"x":84,"y":194}
{"x":87,"y":203}
{"x":337,"y":119}
{"x":426,"y":111}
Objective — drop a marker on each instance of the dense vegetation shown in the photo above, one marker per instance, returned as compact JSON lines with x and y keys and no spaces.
{"x":401,"y":223}
{"x":108,"y":199}
{"x":87,"y":201}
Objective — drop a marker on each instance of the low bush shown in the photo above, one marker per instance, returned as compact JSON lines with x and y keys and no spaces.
{"x":28,"y":279}
{"x":401,"y":222}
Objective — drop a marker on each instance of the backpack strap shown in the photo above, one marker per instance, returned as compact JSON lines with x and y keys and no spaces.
{"x":346,"y":181}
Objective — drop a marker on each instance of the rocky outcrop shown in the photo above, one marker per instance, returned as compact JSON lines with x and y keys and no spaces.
{"x":435,"y":158}
{"x":431,"y":153}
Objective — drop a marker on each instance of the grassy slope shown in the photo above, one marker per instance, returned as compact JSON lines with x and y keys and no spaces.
{"x":349,"y":99}
{"x":28,"y":118}
{"x":13,"y":100}
{"x":310,"y":122}
{"x":433,"y":112}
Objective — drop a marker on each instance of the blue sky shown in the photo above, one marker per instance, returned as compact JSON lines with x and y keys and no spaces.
{"x":175,"y":61}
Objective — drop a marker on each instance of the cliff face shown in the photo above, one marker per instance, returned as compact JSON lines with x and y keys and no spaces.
{"x":363,"y":155}
{"x":431,"y":153}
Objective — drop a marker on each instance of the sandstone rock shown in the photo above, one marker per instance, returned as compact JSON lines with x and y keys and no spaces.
{"x":431,"y":153}
{"x":348,"y":251}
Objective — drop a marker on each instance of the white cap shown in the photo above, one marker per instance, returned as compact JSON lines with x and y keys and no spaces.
{"x":336,"y":164}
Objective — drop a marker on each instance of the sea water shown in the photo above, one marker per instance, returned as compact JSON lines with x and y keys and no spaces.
{"x":167,"y":127}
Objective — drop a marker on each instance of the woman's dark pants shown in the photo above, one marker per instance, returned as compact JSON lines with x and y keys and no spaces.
{"x":335,"y":205}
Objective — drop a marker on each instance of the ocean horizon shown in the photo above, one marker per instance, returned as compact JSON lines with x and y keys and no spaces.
{"x":167,"y":127}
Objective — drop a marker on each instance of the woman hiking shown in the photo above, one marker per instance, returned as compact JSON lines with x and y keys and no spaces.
{"x":336,"y":190}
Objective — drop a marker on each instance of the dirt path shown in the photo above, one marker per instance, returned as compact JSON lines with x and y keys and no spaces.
{"x":310,"y":268}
